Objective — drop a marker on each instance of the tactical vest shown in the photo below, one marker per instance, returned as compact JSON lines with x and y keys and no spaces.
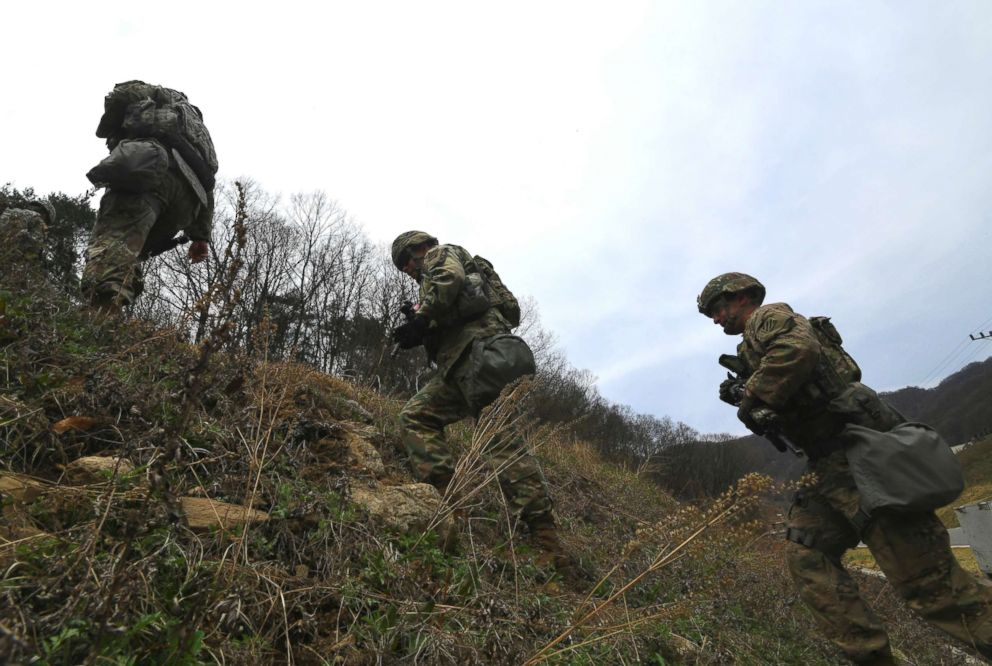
{"x":500,"y":297}
{"x":835,"y":369}
{"x":483,"y":289}
{"x":831,"y":343}
{"x":832,"y":397}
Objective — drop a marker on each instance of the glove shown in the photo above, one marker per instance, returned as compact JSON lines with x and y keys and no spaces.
{"x":411,"y":334}
{"x":748,"y":404}
{"x":730,"y":390}
{"x":198,"y":251}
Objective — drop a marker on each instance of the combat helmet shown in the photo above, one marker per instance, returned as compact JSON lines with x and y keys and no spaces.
{"x":42,"y":207}
{"x":727,"y":283}
{"x":405,"y":241}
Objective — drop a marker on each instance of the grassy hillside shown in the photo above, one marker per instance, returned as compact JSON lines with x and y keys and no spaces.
{"x":976,"y":461}
{"x":235,"y":526}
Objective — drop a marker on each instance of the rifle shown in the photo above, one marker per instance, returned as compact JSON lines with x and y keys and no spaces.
{"x":181,"y":239}
{"x":408,"y":311}
{"x":764,"y":416}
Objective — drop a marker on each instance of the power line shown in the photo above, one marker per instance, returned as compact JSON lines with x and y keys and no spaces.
{"x":951,"y":358}
{"x":947,"y":359}
{"x":971,"y":357}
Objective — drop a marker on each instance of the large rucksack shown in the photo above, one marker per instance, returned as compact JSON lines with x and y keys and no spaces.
{"x":500,"y":297}
{"x":136,"y":109}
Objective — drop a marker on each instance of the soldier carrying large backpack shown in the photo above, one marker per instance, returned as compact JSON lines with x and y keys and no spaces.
{"x":160,"y":180}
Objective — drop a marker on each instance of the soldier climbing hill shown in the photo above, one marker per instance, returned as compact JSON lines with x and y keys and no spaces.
{"x":464,"y":319}
{"x":799,"y":383}
{"x":160,"y":180}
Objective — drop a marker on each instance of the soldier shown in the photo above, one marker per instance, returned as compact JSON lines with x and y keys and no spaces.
{"x":469,"y":340}
{"x":160,"y":180}
{"x":812,"y":387}
{"x":23,"y":229}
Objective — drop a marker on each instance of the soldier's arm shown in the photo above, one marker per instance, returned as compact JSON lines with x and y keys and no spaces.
{"x":443,"y":277}
{"x":792,"y":352}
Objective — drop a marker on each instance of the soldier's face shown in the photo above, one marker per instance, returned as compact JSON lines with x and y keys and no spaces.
{"x":415,"y":264}
{"x":731,"y":312}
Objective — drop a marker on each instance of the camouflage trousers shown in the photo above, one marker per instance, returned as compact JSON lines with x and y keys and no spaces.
{"x":913,"y":550}
{"x":444,"y":401}
{"x":129,"y":225}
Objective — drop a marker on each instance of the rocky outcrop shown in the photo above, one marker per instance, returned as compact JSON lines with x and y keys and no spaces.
{"x":407,"y":508}
{"x":96,"y":469}
{"x":363,"y":456}
{"x":204,"y":513}
{"x":16,"y":526}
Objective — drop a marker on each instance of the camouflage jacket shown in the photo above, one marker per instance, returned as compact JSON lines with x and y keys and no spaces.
{"x":789,"y":372}
{"x":444,"y":301}
{"x":22,"y":235}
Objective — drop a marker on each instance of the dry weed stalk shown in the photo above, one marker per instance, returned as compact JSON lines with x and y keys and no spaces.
{"x":224,"y":289}
{"x":497,"y":427}
{"x":678,"y":533}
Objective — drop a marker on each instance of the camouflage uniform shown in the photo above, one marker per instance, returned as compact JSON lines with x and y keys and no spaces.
{"x":792,"y":374}
{"x":130,"y":226}
{"x":465,"y":383}
{"x":23,"y":231}
{"x":136,"y":222}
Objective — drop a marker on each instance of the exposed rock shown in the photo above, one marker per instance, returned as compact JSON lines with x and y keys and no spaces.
{"x":407,"y":508}
{"x":349,"y":446}
{"x":16,"y":524}
{"x":16,"y":527}
{"x":96,"y":469}
{"x":363,"y":455}
{"x":686,"y":650}
{"x":203,"y":512}
{"x":350,"y":409}
{"x":21,"y":488}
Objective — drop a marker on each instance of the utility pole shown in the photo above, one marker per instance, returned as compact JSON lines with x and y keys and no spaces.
{"x":981,"y":336}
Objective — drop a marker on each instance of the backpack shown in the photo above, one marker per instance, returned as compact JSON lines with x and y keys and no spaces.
{"x":136,"y":109}
{"x":499,"y":296}
{"x":838,"y":358}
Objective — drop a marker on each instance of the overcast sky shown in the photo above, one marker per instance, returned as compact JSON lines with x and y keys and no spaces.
{"x":609,"y":158}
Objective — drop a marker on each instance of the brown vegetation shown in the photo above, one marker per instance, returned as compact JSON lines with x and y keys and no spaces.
{"x":216,"y":409}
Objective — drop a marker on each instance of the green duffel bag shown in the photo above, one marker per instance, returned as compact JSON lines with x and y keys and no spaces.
{"x":491,"y":364}
{"x":908,"y":468}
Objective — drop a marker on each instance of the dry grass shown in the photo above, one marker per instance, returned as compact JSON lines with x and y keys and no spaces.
{"x":117,"y":577}
{"x":862,"y":558}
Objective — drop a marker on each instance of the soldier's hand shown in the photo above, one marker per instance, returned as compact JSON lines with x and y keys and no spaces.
{"x":744,"y":413}
{"x":730,"y":391}
{"x":198,"y":251}
{"x":411,"y":334}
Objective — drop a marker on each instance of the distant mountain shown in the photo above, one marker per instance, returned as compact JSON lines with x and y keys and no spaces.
{"x":960,"y":407}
